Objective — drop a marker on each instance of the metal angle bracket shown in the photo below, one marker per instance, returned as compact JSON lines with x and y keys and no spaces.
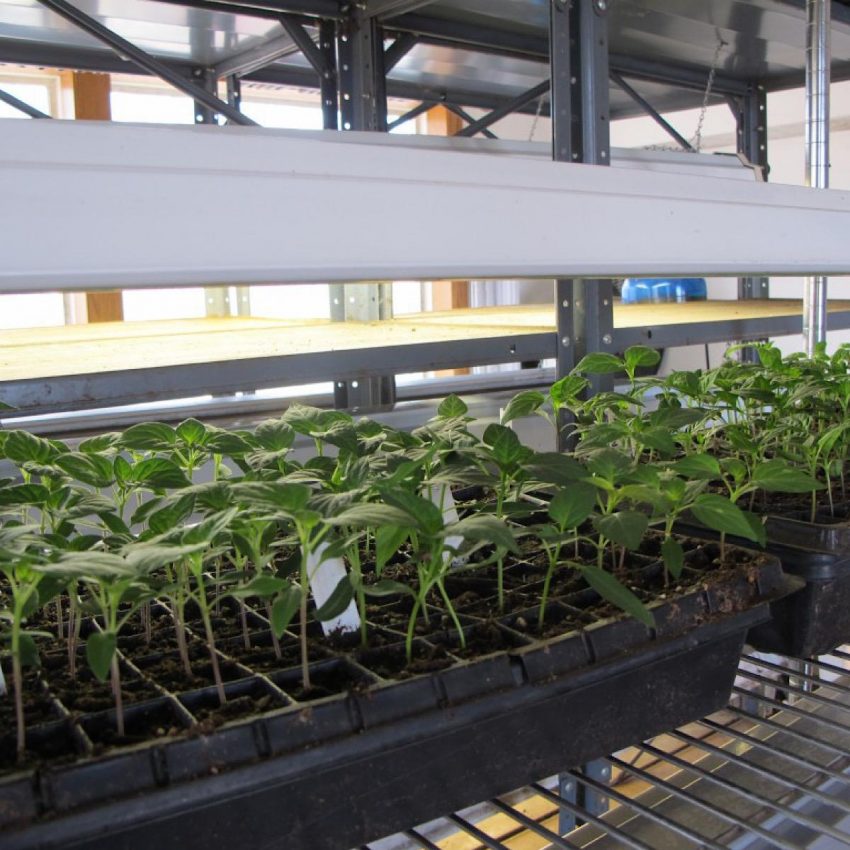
{"x":585,"y":796}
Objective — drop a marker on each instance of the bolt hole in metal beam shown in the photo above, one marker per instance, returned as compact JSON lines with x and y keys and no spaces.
{"x":732,"y":780}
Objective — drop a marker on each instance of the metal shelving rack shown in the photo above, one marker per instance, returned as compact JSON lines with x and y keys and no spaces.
{"x":772,"y":773}
{"x":357,"y":54}
{"x":772,"y":770}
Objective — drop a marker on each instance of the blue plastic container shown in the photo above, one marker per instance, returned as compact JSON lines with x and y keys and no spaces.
{"x":640,"y":290}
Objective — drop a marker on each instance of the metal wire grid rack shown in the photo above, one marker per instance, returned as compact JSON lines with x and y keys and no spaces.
{"x":772,"y":770}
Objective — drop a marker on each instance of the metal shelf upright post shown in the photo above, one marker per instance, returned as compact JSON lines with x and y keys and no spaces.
{"x":578,"y":36}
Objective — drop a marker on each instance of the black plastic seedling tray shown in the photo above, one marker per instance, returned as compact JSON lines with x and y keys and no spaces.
{"x":816,"y":618}
{"x":335,"y":772}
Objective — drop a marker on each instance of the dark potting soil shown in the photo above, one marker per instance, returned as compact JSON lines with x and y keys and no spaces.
{"x":84,"y":693}
{"x":157,"y":719}
{"x":557,"y":621}
{"x":211,"y":713}
{"x":325,"y":681}
{"x":480,"y":640}
{"x":167,"y":670}
{"x":38,"y":707}
{"x":395,"y":617}
{"x":52,"y":743}
{"x":391,"y":662}
{"x":262,"y":658}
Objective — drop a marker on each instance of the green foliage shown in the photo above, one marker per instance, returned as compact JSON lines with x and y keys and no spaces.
{"x":617,"y":594}
{"x":599,"y":363}
{"x":721,"y":514}
{"x":452,"y":407}
{"x":119,"y":521}
{"x":523,"y":404}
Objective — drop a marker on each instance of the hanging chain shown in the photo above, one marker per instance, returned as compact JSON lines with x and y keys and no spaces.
{"x":696,"y":141}
{"x":536,"y":118}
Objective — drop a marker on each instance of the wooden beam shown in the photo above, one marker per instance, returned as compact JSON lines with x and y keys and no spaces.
{"x":91,"y":103}
{"x":446,"y":294}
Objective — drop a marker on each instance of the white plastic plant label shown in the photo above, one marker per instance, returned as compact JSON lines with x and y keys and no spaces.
{"x":324,"y":576}
{"x":2,"y":683}
{"x":442,"y":497}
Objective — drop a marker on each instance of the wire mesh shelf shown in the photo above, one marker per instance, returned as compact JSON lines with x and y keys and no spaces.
{"x":772,"y":770}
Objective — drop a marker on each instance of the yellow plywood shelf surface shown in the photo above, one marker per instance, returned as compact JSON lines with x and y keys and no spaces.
{"x":539,"y":316}
{"x":115,"y":346}
{"x":51,"y":352}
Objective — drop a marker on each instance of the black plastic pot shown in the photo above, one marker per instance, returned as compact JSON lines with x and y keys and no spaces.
{"x":340,"y":771}
{"x":816,"y":618}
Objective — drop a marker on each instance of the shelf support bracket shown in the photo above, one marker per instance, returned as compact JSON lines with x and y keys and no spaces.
{"x":652,"y":112}
{"x":398,"y":50}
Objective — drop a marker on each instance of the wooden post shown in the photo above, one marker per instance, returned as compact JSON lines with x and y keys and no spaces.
{"x":91,"y":103}
{"x":446,"y":294}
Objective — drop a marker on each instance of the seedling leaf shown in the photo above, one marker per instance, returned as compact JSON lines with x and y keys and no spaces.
{"x":599,"y":363}
{"x":505,"y":447}
{"x":719,"y":513}
{"x":640,"y":355}
{"x":337,"y":602}
{"x":573,"y":505}
{"x":522,"y":404}
{"x":149,"y":436}
{"x":698,"y":467}
{"x":673,"y":555}
{"x":100,"y":648}
{"x":625,"y":528}
{"x":452,"y":407}
{"x":192,"y":432}
{"x":484,"y":528}
{"x":284,"y":609}
{"x":617,"y":594}
{"x":776,"y":476}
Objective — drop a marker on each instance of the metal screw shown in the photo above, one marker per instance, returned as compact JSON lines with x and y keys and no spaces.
{"x":605,"y":302}
{"x":607,"y":339}
{"x":565,"y":341}
{"x":565,"y":303}
{"x":601,"y":6}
